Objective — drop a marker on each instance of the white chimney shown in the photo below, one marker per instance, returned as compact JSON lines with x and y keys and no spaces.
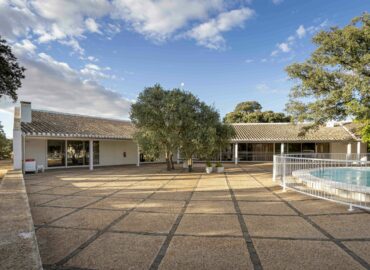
{"x":26,"y":113}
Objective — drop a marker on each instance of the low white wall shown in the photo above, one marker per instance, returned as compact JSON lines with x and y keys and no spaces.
{"x":36,"y":149}
{"x":111,"y":152}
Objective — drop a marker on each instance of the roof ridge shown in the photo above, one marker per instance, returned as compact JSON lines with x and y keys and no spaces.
{"x":349,"y":132}
{"x":278,"y":123}
{"x":81,"y":115}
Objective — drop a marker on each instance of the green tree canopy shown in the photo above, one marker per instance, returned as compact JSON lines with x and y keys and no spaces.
{"x":10,"y":72}
{"x":5,"y":145}
{"x":251,"y":112}
{"x":168,"y":120}
{"x":334,"y":83}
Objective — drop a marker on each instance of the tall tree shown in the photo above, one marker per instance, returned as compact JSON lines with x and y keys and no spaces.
{"x":5,"y":145}
{"x":334,"y":83}
{"x":170,"y":120}
{"x":251,"y":112}
{"x":10,"y":72}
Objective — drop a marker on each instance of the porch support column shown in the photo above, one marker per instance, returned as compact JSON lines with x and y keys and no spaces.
{"x":91,"y":155}
{"x":138,"y":156}
{"x":282,"y":150}
{"x":349,"y":150}
{"x":358,"y":150}
{"x":236,"y":154}
{"x":178,"y":156}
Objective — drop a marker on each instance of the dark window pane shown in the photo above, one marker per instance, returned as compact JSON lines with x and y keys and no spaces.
{"x":294,"y":148}
{"x":56,"y":153}
{"x":96,"y":152}
{"x":75,"y":153}
{"x":308,"y":147}
{"x":277,"y":148}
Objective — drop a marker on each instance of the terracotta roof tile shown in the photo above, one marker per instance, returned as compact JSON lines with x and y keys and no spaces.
{"x":70,"y":125}
{"x":286,"y":132}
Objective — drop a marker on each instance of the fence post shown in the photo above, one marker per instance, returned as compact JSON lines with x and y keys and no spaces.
{"x":274,"y":169}
{"x":284,"y":172}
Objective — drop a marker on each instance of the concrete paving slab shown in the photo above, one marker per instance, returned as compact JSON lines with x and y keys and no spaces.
{"x":284,"y":226}
{"x":60,"y":191}
{"x":188,"y":252}
{"x":97,"y":191}
{"x":265,"y":208}
{"x":116,"y":203}
{"x":210,"y":207}
{"x":207,"y":224}
{"x":243,"y":195}
{"x":345,"y":226}
{"x":161,"y":206}
{"x":119,"y":251}
{"x":171,"y":195}
{"x":36,"y":199}
{"x":361,"y":248}
{"x":301,"y":254}
{"x":72,"y":201}
{"x":57,"y":243}
{"x":133,"y":193}
{"x":146,"y":222}
{"x":317,"y":207}
{"x":42,"y":215}
{"x":211,"y":196}
{"x":88,"y":219}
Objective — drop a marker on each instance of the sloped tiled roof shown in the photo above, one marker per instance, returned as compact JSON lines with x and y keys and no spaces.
{"x":69,"y":125}
{"x":286,"y":132}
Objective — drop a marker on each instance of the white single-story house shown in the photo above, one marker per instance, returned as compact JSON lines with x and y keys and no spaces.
{"x":60,"y":140}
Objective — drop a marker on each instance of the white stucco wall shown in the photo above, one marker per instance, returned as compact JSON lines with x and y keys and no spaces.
{"x":342,"y":147}
{"x":111,"y":152}
{"x":36,"y":149}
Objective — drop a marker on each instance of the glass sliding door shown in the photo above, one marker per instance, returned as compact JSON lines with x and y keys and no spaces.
{"x":56,"y":153}
{"x":75,"y":153}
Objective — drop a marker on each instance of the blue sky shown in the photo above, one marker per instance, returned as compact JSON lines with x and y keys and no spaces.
{"x":94,"y":57}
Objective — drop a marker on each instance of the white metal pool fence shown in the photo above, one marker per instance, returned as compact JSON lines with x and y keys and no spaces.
{"x":301,"y":172}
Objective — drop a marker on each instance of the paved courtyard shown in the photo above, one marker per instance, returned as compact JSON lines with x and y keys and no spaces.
{"x":146,"y":218}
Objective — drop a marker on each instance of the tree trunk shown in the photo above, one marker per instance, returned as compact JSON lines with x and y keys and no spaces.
{"x":190,"y":165}
{"x":171,"y":161}
{"x":168,"y":162}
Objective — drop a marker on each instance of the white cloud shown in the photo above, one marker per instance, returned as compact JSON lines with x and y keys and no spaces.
{"x":92,"y":25}
{"x":24,"y":47}
{"x":95,"y":72}
{"x":67,"y":22}
{"x":248,"y":61}
{"x":288,"y":45}
{"x":54,"y":85}
{"x":51,"y":20}
{"x":284,"y":47}
{"x":209,"y":34}
{"x":160,"y":19}
{"x":301,"y":31}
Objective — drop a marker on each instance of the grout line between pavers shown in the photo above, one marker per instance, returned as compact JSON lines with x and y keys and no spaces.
{"x":352,"y":254}
{"x":162,"y":251}
{"x":247,"y":238}
{"x":110,"y":225}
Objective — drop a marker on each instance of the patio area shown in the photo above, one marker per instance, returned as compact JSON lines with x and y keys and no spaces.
{"x":147,"y":218}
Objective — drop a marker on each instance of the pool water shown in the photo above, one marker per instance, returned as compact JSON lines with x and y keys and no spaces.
{"x":354,"y":176}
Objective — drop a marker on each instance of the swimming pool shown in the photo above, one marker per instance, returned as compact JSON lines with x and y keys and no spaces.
{"x":354,"y":176}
